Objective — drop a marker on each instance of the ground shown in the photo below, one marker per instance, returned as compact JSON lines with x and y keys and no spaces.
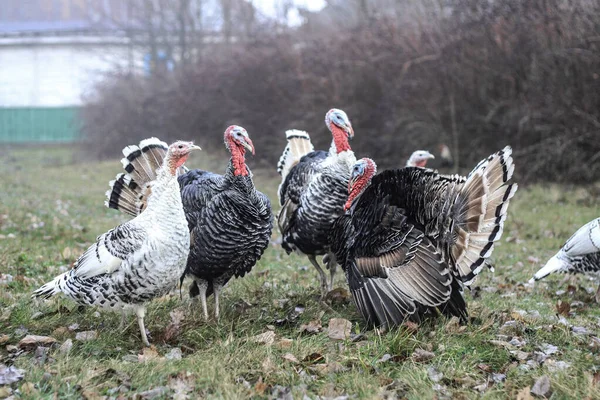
{"x":51,"y":209}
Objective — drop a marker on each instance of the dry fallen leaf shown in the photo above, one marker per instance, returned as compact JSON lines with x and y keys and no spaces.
{"x":10,"y":374}
{"x":268,"y":366}
{"x":525,"y":394}
{"x":313,"y":326}
{"x":420,"y":355}
{"x":181,"y":385}
{"x":172,"y":330}
{"x":541,"y":387}
{"x":34,"y":341}
{"x":4,"y":339}
{"x":267,"y":338}
{"x":338,"y":296}
{"x":260,"y":387}
{"x":284,"y":343}
{"x":291,"y":358}
{"x":148,"y":353}
{"x":563,"y":308}
{"x":596,"y":378}
{"x":86,"y":336}
{"x":339,"y":328}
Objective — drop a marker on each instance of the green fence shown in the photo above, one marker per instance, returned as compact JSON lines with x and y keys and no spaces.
{"x":39,"y":124}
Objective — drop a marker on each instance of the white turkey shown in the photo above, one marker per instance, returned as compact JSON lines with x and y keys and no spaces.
{"x":230,"y":222}
{"x":313,"y":191}
{"x":419,"y":158}
{"x":411,"y":238}
{"x":141,"y":259}
{"x":579,"y":255}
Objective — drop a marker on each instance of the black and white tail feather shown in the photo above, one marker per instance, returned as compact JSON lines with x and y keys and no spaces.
{"x":483,"y":203}
{"x":298,"y":145}
{"x":129,"y":191}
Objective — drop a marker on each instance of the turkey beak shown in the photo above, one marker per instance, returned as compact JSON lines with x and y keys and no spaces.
{"x":247,"y":143}
{"x":349,"y":131}
{"x":430,"y":156}
{"x":194,"y":147}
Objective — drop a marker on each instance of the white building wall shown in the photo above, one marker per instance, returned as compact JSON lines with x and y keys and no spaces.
{"x":41,"y":72}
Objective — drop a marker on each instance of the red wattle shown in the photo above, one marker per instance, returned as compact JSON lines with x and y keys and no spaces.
{"x":340,"y":138}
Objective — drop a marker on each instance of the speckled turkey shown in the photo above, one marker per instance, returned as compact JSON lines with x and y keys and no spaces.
{"x":579,"y":255}
{"x":141,"y":259}
{"x":411,"y":238}
{"x":229,"y":220}
{"x":313,"y":191}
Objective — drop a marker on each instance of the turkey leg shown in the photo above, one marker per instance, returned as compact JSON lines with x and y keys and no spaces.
{"x":140,"y":312}
{"x":322,"y":275}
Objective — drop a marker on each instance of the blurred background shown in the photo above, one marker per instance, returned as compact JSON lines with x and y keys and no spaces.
{"x":469,"y":75}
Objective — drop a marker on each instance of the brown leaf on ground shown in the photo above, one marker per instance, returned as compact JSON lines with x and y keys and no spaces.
{"x":284,"y":343}
{"x":291,"y":358}
{"x":148,"y":354}
{"x":174,"y":327}
{"x":484,"y":368}
{"x":313,"y":326}
{"x":525,"y":394}
{"x":31,"y":341}
{"x":454,"y":326}
{"x":267,"y":338}
{"x":4,"y":339}
{"x":563,"y":308}
{"x":268,"y":366}
{"x":339,"y":328}
{"x":596,"y":378}
{"x":260,"y":387}
{"x":338,"y":296}
{"x":90,"y":394}
{"x":28,"y":388}
{"x":420,"y":355}
{"x":410,"y":326}
{"x":86,"y":336}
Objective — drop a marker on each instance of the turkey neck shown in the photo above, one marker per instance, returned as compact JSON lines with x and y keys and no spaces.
{"x":340,"y":139}
{"x":166,"y":188}
{"x":237,"y":171}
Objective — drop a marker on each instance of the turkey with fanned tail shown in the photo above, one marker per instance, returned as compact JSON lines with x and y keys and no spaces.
{"x":579,"y":255}
{"x":141,"y":259}
{"x":411,"y":238}
{"x":313,"y":191}
{"x":230,"y":222}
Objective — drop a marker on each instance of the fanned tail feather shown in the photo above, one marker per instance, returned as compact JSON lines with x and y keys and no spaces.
{"x":50,"y":289}
{"x":128,"y":191}
{"x":298,"y":145}
{"x":484,"y":200}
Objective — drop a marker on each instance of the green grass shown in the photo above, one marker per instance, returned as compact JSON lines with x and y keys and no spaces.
{"x":54,"y":209}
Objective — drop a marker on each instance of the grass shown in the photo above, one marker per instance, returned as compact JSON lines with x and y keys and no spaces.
{"x":51,"y":210}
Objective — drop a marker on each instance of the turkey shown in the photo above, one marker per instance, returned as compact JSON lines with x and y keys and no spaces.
{"x":579,"y":255}
{"x":313,"y":191}
{"x":141,"y":259}
{"x":445,"y":156}
{"x":411,"y":238}
{"x":419,"y":158}
{"x":230,"y":222}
